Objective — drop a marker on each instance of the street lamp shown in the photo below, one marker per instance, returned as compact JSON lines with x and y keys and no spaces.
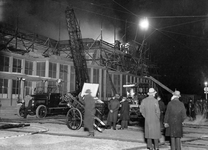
{"x":206,"y":89}
{"x":144,"y":24}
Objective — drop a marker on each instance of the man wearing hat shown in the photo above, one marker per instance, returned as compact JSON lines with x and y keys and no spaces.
{"x":173,"y":122}
{"x":151,"y":112}
{"x":113,"y":107}
{"x":89,"y":107}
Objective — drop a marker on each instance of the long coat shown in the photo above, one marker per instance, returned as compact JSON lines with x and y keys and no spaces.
{"x":114,"y":105}
{"x":162,"y":111}
{"x":125,"y":110}
{"x":151,"y":112}
{"x":89,"y":113}
{"x":174,"y":116}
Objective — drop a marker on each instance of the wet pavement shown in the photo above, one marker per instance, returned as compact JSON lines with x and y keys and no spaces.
{"x":131,"y":139}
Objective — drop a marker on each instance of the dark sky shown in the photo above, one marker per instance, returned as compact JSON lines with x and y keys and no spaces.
{"x":177,"y":36}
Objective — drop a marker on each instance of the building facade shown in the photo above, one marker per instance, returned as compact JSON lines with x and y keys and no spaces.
{"x":35,"y":64}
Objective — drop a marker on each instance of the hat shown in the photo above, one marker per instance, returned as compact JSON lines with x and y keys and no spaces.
{"x":177,"y":93}
{"x":151,"y":91}
{"x":88,"y":91}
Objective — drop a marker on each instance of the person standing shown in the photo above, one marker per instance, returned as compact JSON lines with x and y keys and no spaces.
{"x":173,"y":122}
{"x":151,"y":112}
{"x":113,"y":107}
{"x":162,"y":111}
{"x":89,"y":107}
{"x":191,"y":110}
{"x":124,"y":113}
{"x":162,"y":114}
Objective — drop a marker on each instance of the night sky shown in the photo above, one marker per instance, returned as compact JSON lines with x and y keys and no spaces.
{"x":177,"y":36}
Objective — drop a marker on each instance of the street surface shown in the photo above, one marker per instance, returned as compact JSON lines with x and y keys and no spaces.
{"x":52,"y":133}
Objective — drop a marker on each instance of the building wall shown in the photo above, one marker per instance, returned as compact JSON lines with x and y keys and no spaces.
{"x":42,"y":74}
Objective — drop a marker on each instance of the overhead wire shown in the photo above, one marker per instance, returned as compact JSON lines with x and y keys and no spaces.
{"x":161,"y":30}
{"x":183,"y":23}
{"x":184,"y":34}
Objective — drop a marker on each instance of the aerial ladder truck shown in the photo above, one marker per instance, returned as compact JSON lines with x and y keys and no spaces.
{"x":77,"y":49}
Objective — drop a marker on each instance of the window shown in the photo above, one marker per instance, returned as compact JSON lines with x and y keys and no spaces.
{"x":124,"y":83}
{"x":72,"y":79}
{"x":52,"y":70}
{"x":4,"y":63}
{"x":41,"y":69}
{"x":117,"y":83}
{"x":128,"y":79}
{"x":89,"y":73}
{"x":40,"y":87}
{"x":28,"y":67}
{"x":52,"y":87}
{"x":3,"y":88}
{"x":63,"y":76}
{"x":17,"y":65}
{"x":96,"y":76}
{"x":28,"y":87}
{"x":108,"y":85}
{"x":15,"y":88}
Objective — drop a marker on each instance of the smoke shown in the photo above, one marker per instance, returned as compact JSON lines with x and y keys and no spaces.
{"x":47,"y":17}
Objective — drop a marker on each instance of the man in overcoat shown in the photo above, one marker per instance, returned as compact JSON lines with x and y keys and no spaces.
{"x":113,"y":107}
{"x":125,"y":107}
{"x":151,"y":112}
{"x":89,"y":107}
{"x":174,"y":118}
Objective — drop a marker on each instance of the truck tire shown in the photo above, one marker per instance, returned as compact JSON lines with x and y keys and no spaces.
{"x":21,"y":111}
{"x":41,"y":111}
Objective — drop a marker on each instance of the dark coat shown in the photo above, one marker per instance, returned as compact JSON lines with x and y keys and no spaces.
{"x":162,"y":111}
{"x":125,"y":110}
{"x":113,"y":105}
{"x":89,"y":108}
{"x":174,"y":117}
{"x":151,"y":112}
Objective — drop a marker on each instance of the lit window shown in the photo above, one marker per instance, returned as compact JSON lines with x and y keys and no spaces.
{"x":3,"y":88}
{"x":17,"y":65}
{"x":63,"y":75}
{"x":41,"y":69}
{"x":28,"y":67}
{"x":52,"y":70}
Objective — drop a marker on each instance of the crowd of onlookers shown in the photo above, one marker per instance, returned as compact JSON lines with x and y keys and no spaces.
{"x":159,"y":119}
{"x":194,"y":108}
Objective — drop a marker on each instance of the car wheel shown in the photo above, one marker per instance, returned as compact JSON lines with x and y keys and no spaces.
{"x":41,"y":111}
{"x":21,"y":111}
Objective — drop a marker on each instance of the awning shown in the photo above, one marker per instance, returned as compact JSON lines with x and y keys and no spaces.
{"x":12,"y":75}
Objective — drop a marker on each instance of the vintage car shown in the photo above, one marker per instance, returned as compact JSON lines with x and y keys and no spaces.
{"x":42,"y":105}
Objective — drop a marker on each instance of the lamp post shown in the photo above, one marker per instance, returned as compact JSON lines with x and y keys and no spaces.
{"x":144,"y":25}
{"x":206,"y":89}
{"x":19,"y":88}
